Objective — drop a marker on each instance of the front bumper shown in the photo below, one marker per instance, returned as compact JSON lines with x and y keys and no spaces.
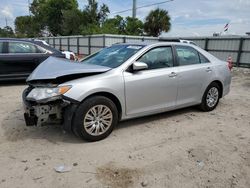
{"x":30,"y":120}
{"x":41,"y":114}
{"x":38,"y":114}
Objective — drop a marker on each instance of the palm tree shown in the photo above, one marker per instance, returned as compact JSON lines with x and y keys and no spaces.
{"x":157,"y":21}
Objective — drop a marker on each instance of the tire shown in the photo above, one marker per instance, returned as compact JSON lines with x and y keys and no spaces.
{"x":210,"y":97}
{"x":95,"y":118}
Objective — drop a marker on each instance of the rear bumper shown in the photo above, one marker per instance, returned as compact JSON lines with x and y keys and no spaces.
{"x":227,"y":83}
{"x":226,"y":90}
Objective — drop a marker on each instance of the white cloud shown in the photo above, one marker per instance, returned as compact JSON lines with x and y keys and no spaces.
{"x":7,"y":12}
{"x":195,"y":17}
{"x":204,"y":17}
{"x":188,"y":17}
{"x":204,"y":13}
{"x":10,"y":9}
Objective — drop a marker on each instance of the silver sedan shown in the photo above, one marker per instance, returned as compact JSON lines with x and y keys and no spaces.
{"x":121,"y":82}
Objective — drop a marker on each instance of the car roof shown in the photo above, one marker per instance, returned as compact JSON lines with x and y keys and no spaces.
{"x":149,"y":43}
{"x":39,"y":43}
{"x":160,"y":43}
{"x":16,"y":39}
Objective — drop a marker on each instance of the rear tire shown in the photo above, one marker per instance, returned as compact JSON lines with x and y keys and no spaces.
{"x":95,"y":118}
{"x":211,"y":97}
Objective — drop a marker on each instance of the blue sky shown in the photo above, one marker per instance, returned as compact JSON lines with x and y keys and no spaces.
{"x":188,"y":17}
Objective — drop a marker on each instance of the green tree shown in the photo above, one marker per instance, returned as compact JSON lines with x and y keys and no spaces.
{"x":26,"y":26}
{"x":94,"y":14}
{"x":103,"y":13}
{"x":134,"y":26}
{"x":117,"y":25}
{"x":63,"y":17}
{"x":95,"y":17}
{"x":156,"y":22}
{"x":38,"y":10}
{"x":90,"y":29}
{"x":50,"y":13}
{"x":72,"y":20}
{"x":114,"y":25}
{"x":7,"y":32}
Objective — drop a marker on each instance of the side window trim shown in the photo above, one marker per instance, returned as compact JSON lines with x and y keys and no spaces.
{"x":175,"y":64}
{"x":176,"y":55}
{"x":204,"y":57}
{"x":35,"y":45}
{"x":161,"y":46}
{"x":3,"y":49}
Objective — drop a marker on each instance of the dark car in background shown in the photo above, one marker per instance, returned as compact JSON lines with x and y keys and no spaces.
{"x":19,"y":57}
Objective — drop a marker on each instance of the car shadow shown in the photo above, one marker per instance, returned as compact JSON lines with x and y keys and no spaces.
{"x":12,"y":82}
{"x":14,"y":127}
{"x":155,"y":117}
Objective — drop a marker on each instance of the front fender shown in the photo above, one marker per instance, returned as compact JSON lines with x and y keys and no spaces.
{"x":83,"y":88}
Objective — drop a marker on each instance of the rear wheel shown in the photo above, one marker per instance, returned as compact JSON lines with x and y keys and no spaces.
{"x":95,"y":118}
{"x":211,"y":97}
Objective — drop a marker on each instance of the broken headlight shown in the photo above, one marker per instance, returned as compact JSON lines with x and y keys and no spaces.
{"x":41,"y":93}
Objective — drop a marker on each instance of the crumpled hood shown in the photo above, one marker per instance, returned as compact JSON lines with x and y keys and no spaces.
{"x":54,"y":68}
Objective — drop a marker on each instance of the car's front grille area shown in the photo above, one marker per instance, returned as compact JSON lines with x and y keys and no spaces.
{"x":32,"y":112}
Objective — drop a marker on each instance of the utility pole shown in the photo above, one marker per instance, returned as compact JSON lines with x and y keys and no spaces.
{"x":6,"y":21}
{"x":29,"y":6}
{"x":134,"y":9}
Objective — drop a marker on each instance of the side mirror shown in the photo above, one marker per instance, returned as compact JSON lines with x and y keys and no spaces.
{"x":139,"y":66}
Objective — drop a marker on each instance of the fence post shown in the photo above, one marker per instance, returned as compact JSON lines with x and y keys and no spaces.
{"x":239,"y":52}
{"x":124,"y":39}
{"x":104,"y":42}
{"x":77,"y":46}
{"x":68,"y":43}
{"x":60,"y":44}
{"x":89,"y":40}
{"x":54,"y":43}
{"x":206,"y":44}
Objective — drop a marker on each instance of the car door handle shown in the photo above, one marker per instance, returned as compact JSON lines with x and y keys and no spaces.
{"x":208,"y":69}
{"x":172,"y":74}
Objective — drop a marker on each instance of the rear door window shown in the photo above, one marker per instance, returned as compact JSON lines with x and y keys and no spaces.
{"x":21,"y":47}
{"x":1,"y":47}
{"x":41,"y":50}
{"x":187,"y":55}
{"x":203,"y":59}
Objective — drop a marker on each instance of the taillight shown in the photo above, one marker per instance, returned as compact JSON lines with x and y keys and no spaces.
{"x":230,"y":62}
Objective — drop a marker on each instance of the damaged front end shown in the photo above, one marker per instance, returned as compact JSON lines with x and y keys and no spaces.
{"x":44,"y":100}
{"x":45,"y":104}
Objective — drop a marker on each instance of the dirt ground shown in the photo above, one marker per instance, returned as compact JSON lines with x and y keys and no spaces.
{"x":184,"y":148}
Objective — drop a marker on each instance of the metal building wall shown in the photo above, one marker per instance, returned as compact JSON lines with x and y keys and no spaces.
{"x":221,"y":47}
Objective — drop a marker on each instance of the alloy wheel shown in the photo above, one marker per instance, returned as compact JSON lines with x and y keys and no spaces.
{"x":98,"y":120}
{"x":212,"y":97}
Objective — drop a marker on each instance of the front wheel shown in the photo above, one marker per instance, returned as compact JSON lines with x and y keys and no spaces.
{"x":95,"y":118}
{"x":211,"y":97}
